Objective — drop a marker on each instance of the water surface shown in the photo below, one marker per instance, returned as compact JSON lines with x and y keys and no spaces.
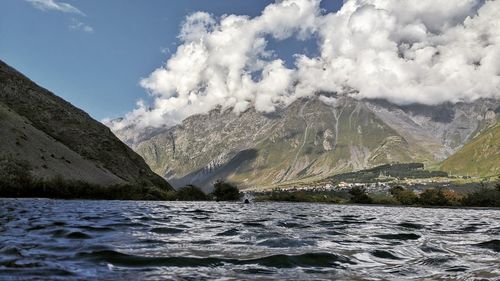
{"x":43,"y":239}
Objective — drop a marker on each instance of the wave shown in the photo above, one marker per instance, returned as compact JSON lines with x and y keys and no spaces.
{"x":276,"y":261}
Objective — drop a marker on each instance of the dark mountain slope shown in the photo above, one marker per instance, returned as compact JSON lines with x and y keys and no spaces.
{"x":58,"y":139}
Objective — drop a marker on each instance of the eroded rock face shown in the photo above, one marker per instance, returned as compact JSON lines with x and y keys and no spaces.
{"x":328,"y":140}
{"x":58,"y":139}
{"x":442,"y":129}
{"x":309,"y":140}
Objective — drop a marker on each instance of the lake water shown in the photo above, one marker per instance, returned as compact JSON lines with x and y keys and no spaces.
{"x":108,"y":240}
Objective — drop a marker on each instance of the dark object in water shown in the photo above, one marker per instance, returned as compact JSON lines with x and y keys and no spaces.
{"x":246,"y":201}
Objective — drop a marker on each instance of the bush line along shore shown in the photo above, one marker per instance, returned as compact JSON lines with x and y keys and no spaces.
{"x":17,"y":181}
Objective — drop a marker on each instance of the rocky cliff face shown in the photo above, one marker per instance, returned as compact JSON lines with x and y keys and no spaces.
{"x":308,"y":140}
{"x":58,"y":139}
{"x":442,"y":129}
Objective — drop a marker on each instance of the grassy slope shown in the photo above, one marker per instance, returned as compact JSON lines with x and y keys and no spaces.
{"x":48,"y":158}
{"x":479,"y":157}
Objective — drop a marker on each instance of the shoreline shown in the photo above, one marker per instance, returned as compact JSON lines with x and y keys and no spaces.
{"x":260,"y":202}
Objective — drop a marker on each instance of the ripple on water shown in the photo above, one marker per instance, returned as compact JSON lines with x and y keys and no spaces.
{"x":458,"y":268}
{"x":399,"y":236}
{"x":286,"y":243}
{"x":229,"y":232}
{"x":253,"y":224}
{"x":276,"y":261}
{"x":291,"y":224}
{"x":325,"y":223}
{"x":77,"y":235}
{"x":435,"y":261}
{"x":199,"y":211}
{"x":95,"y":228}
{"x":126,"y":224}
{"x":411,"y":225}
{"x":10,"y":251}
{"x":166,"y":230}
{"x":334,"y":232}
{"x":203,"y":242}
{"x":492,"y":245}
{"x":384,"y":255}
{"x":431,"y":249}
{"x":130,"y":240}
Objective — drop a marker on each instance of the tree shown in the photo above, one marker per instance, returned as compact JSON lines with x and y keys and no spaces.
{"x":433,"y":197}
{"x":403,"y":195}
{"x":484,"y":197}
{"x":358,"y":195}
{"x":454,"y":198}
{"x":190,"y":193}
{"x":224,"y":191}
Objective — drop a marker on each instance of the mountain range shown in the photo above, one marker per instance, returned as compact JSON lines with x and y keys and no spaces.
{"x":310,"y":139}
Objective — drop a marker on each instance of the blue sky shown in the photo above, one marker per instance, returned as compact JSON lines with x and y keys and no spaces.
{"x":95,"y":58}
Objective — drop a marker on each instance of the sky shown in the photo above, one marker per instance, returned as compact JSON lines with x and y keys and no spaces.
{"x":155,"y":63}
{"x":95,"y":53}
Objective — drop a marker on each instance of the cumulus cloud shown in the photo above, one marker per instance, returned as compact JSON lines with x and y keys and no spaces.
{"x":53,"y":5}
{"x":422,"y":51}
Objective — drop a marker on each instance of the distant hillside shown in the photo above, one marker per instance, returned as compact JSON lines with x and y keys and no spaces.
{"x":60,"y":140}
{"x":388,"y":171}
{"x":479,"y":157}
{"x":308,"y":139}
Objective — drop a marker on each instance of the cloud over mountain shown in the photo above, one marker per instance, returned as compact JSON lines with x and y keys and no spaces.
{"x":406,"y":52}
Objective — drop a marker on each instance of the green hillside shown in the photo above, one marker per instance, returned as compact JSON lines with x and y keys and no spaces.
{"x":479,"y":157}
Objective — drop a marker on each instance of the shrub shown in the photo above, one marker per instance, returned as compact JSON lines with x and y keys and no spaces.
{"x":484,"y":197}
{"x":358,"y":195}
{"x":453,"y":197}
{"x":433,"y":197}
{"x":384,"y":200}
{"x":224,"y":191}
{"x":190,"y":193}
{"x":394,"y":190}
{"x":298,"y":196}
{"x":403,"y":195}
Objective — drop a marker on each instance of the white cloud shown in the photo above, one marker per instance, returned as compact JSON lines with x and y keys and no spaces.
{"x":53,"y":5}
{"x":78,"y":25}
{"x":422,"y":51}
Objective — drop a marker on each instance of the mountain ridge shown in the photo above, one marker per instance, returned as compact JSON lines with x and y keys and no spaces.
{"x":310,"y":139}
{"x":60,"y":140}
